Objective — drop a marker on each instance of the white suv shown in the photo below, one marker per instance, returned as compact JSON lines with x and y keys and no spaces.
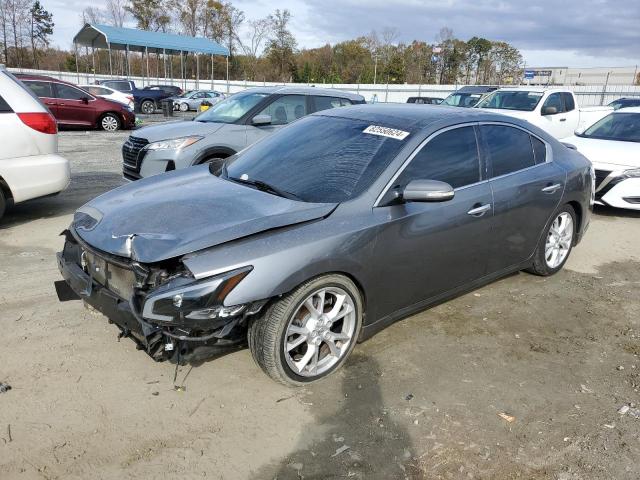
{"x":29,"y":164}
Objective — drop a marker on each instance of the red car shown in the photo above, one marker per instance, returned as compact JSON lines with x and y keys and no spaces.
{"x":73,"y":107}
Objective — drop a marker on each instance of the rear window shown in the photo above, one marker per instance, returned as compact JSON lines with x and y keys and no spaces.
{"x":325,"y":103}
{"x":509,"y":148}
{"x":120,"y":86}
{"x":4,"y":106}
{"x":39,"y":88}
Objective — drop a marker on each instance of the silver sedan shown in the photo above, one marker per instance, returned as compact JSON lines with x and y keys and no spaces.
{"x":193,"y":99}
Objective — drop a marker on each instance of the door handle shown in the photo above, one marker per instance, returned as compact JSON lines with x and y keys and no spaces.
{"x":552,"y":188}
{"x":563,"y":119}
{"x":479,"y":211}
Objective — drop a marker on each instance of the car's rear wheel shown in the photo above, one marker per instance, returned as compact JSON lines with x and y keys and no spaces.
{"x":184,"y":107}
{"x":308,"y":333}
{"x":556,"y":244}
{"x":148,"y":107}
{"x":3,"y":204}
{"x":110,"y":122}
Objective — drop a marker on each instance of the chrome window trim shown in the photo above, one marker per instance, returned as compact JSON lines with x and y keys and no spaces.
{"x":418,"y":149}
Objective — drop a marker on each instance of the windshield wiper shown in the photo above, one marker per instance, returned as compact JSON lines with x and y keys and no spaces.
{"x":263,"y":186}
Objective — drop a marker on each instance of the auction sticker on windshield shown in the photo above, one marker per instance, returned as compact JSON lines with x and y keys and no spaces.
{"x":386,"y":132}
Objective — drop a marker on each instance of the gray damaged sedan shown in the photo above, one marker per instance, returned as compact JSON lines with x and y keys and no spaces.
{"x":326,"y":232}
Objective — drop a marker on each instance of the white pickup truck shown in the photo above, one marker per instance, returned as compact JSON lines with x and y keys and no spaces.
{"x":552,"y":109}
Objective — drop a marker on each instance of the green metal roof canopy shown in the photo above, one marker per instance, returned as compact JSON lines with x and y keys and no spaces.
{"x":116,"y":38}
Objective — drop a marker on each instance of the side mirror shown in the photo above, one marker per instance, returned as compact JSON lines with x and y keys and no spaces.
{"x":427,"y":191}
{"x":580,"y":130}
{"x":85,"y":100}
{"x":261,"y":120}
{"x":549,"y":110}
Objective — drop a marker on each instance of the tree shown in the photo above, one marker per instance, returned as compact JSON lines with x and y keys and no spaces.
{"x":150,"y":14}
{"x":282,"y":44}
{"x":41,"y":29}
{"x":116,"y":12}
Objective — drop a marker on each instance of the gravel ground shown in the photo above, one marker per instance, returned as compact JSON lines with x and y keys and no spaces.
{"x":520,"y":379}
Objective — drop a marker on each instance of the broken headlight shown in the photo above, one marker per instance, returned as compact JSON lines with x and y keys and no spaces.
{"x":201,"y":300}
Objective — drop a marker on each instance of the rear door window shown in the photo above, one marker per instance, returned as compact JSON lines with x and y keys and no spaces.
{"x":569,"y":103}
{"x":325,"y":103}
{"x":39,"y":88}
{"x":286,"y":109}
{"x":68,"y":92}
{"x":4,"y":106}
{"x":450,"y":157}
{"x":509,"y":149}
{"x":539,"y":150}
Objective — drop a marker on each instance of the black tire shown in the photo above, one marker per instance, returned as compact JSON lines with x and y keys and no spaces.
{"x":3,"y":204}
{"x":148,"y":107}
{"x":267,"y":334}
{"x":215,"y":164}
{"x":110,"y":122}
{"x":540,"y":265}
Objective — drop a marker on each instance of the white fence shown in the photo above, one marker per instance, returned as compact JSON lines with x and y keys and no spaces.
{"x":587,"y":95}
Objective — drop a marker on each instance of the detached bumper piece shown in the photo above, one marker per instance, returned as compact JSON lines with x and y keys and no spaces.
{"x":176,"y":344}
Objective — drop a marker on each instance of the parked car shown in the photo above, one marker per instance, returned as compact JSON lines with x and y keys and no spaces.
{"x":109,"y":94}
{"x":625,"y":102}
{"x":553,"y":109}
{"x":172,"y":90}
{"x":425,"y":100}
{"x":73,"y":107}
{"x":30,"y":166}
{"x":613,"y":146}
{"x":327,"y":232}
{"x":467,"y":96}
{"x":224,"y":129}
{"x":193,"y":99}
{"x":146,"y":100}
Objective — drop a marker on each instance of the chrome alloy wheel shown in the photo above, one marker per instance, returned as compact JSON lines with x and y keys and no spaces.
{"x":320,"y":332}
{"x":559,"y":240}
{"x":109,"y":123}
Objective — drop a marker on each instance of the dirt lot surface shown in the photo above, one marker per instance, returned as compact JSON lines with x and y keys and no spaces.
{"x":556,"y":357}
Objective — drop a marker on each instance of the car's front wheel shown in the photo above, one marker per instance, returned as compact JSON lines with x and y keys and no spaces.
{"x":556,"y":244}
{"x":309,"y":332}
{"x":110,"y":122}
{"x":184,"y":107}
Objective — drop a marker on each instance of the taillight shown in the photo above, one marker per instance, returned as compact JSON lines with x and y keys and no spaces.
{"x":41,"y":122}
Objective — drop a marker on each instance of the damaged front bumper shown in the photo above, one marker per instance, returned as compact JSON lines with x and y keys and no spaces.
{"x":121,"y":291}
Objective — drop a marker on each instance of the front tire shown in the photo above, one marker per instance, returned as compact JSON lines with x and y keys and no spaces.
{"x":110,"y":122}
{"x":556,"y":243}
{"x":184,"y":107}
{"x":308,"y":333}
{"x":148,"y":107}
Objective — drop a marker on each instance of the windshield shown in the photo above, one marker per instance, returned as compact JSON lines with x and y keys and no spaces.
{"x":231,"y":109}
{"x":511,"y":100}
{"x":462,"y":99}
{"x":624,"y":127}
{"x":318,"y":159}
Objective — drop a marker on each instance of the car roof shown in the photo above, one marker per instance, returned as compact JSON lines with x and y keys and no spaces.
{"x":414,"y":116}
{"x":44,"y":78}
{"x":286,"y":90}
{"x":524,"y":88}
{"x":476,"y":89}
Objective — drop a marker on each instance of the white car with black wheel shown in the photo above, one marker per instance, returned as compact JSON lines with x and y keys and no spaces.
{"x":109,"y":94}
{"x":612,"y":144}
{"x":29,"y":164}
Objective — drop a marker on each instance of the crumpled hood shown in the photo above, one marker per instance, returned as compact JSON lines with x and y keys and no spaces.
{"x":180,"y":128}
{"x":170,"y":215}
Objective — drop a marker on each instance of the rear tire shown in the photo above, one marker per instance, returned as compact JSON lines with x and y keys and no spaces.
{"x":556,"y":244}
{"x":3,"y":204}
{"x":110,"y":122}
{"x":296,"y":344}
{"x":148,"y":107}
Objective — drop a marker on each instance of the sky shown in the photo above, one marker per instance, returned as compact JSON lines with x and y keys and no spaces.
{"x":549,"y":33}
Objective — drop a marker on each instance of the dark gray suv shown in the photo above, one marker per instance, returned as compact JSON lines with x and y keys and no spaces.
{"x":224,"y":129}
{"x":326,"y":232}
